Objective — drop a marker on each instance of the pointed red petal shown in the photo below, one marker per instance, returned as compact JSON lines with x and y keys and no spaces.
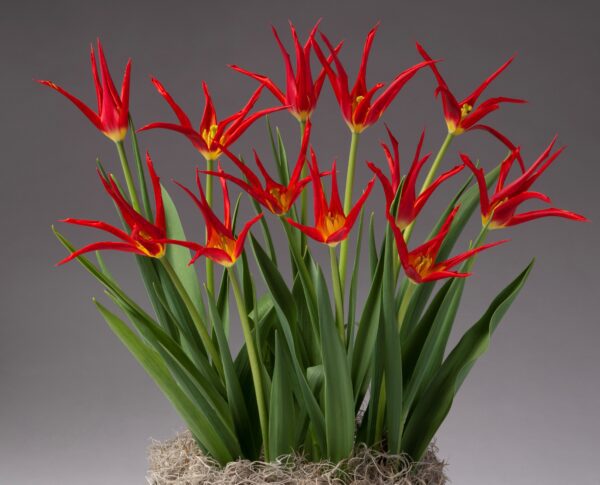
{"x":181,"y":116}
{"x":103,"y":226}
{"x":239,"y":243}
{"x":386,"y":98}
{"x":311,"y":232}
{"x":270,"y":85}
{"x":480,"y":177}
{"x":472,"y":98}
{"x":100,"y":246}
{"x":93,"y":117}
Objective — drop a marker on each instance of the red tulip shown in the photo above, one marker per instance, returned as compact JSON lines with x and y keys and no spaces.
{"x":113,"y":108}
{"x":359,"y":109}
{"x":212,"y":135}
{"x":276,"y":197}
{"x":145,"y":238}
{"x":499,"y":210}
{"x":331,"y":224}
{"x":301,"y":92}
{"x":464,"y":115}
{"x":409,"y":205}
{"x":222,"y":246}
{"x":421,"y":264}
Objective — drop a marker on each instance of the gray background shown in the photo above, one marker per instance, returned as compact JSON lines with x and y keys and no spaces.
{"x":75,"y":408}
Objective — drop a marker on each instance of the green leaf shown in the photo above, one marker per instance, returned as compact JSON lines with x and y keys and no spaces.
{"x":235,"y":397}
{"x":179,"y":256}
{"x":373,"y":257}
{"x":433,"y":406}
{"x":366,"y":336}
{"x":204,"y":431}
{"x":282,"y":422}
{"x":392,"y":350}
{"x":350,"y":323}
{"x":275,"y":282}
{"x":339,"y":398}
{"x":281,"y":299}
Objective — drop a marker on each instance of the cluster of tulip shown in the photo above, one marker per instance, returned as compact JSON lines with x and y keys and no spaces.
{"x":313,"y":374}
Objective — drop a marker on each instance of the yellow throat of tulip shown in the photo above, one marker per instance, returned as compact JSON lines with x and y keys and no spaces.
{"x":454,"y":129}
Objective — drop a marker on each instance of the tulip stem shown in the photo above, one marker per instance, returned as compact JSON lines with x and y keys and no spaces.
{"x":210,"y":270}
{"x":430,"y":176}
{"x":437,"y":160}
{"x":337,"y":293}
{"x":348,"y":203}
{"x":128,"y":177}
{"x":303,"y":195}
{"x":196,"y":318}
{"x":253,"y":358}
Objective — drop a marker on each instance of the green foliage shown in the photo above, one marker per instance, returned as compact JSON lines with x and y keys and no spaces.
{"x":319,"y":370}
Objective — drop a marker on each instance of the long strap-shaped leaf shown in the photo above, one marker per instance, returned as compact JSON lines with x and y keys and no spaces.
{"x":338,"y":395}
{"x":392,"y":351}
{"x":210,"y":438}
{"x":281,"y":298}
{"x":246,"y":432}
{"x":433,"y":406}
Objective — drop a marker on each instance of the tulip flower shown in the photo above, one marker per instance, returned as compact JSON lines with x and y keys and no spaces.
{"x":499,"y":209}
{"x":358,"y":107}
{"x":222,"y":246}
{"x":112,"y":117}
{"x":145,"y":238}
{"x":212,"y":135}
{"x":301,"y":92}
{"x":409,"y":205}
{"x":276,"y":197}
{"x":332,"y":225}
{"x":464,"y":115}
{"x":421,"y":264}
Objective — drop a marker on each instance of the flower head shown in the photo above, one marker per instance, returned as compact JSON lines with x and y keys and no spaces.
{"x":421,"y":264}
{"x":222,"y":246}
{"x":359,"y":108}
{"x":466,"y":115}
{"x":212,"y":134}
{"x":112,"y":117}
{"x":301,"y":93}
{"x":144,"y":238}
{"x":499,"y":210}
{"x":276,"y":197}
{"x":409,"y":204}
{"x":332,"y":225}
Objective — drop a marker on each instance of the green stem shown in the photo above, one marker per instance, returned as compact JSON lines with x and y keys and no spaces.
{"x":436,"y":162}
{"x":430,"y":176}
{"x":348,"y":202}
{"x":253,"y":358}
{"x":196,"y":318}
{"x":128,"y":178}
{"x":210,"y":270}
{"x":304,"y":194}
{"x":404,"y":304}
{"x":140,"y":170}
{"x":337,"y":293}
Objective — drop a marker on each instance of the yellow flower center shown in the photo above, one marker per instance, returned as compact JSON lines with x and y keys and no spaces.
{"x":332,"y":224}
{"x":224,"y":243}
{"x":146,"y":244}
{"x":465,"y":110}
{"x":283,"y":198}
{"x":422,"y":264}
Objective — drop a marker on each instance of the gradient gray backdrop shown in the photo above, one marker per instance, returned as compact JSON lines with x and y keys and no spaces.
{"x":75,"y":408}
